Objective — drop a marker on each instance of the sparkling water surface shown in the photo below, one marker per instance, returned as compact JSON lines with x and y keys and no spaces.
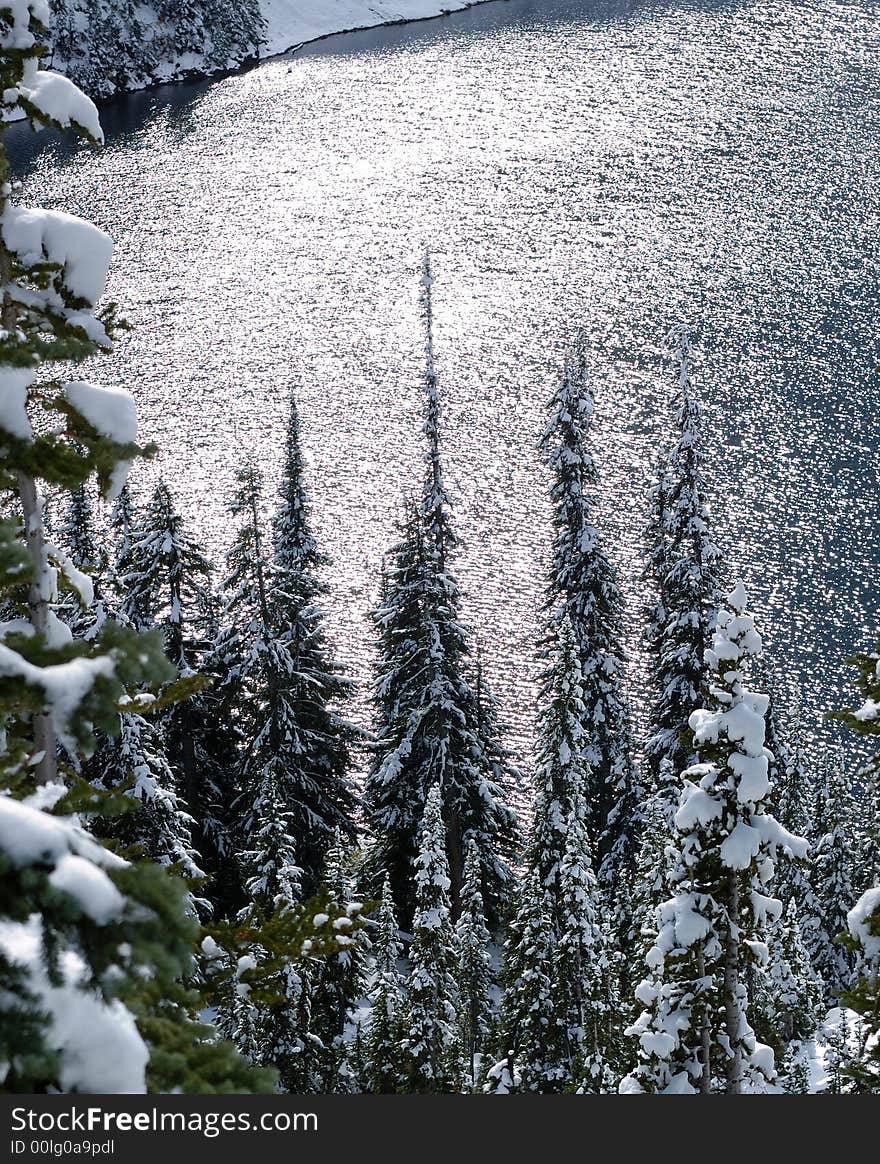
{"x":572,"y":163}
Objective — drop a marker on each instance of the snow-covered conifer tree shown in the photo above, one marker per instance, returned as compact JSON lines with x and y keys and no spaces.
{"x":315,"y":687}
{"x":585,"y":981}
{"x":475,"y":975}
{"x":280,"y":705}
{"x":382,"y":1058}
{"x":92,"y":948}
{"x":583,"y":590}
{"x":533,"y":1031}
{"x":832,"y":880}
{"x":863,"y":920}
{"x":339,"y":979}
{"x":795,"y":991}
{"x":684,"y":562}
{"x":432,"y":729}
{"x":435,"y":1061}
{"x":694,"y":1033}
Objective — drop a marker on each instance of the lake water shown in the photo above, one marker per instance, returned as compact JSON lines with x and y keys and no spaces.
{"x":614,"y":166}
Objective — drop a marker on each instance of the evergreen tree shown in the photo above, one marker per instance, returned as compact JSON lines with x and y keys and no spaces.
{"x":586,"y":969}
{"x":583,"y":591}
{"x":655,"y":854}
{"x":475,"y":976}
{"x":340,"y":979}
{"x":684,"y":563}
{"x":263,"y":653}
{"x":316,"y":686}
{"x":533,"y":1030}
{"x":795,"y":991}
{"x":863,"y":920}
{"x":432,"y":728}
{"x":832,"y":881}
{"x":93,"y":948}
{"x":433,"y":1039}
{"x":382,"y":1071}
{"x":694,"y":1033}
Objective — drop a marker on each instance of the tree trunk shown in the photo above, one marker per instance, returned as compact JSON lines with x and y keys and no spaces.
{"x":46,"y":768}
{"x":705,"y":1083}
{"x":732,"y":1002}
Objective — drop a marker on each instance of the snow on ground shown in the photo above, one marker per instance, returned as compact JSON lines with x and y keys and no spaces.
{"x":293,"y":22}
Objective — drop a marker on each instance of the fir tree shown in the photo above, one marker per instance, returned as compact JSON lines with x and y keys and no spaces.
{"x":316,"y":686}
{"x":382,"y":1071}
{"x":583,"y":591}
{"x":586,"y":969}
{"x":863,"y":920}
{"x":433,"y":1040}
{"x":340,"y":979}
{"x":832,"y":881}
{"x":263,"y":652}
{"x":684,"y":562}
{"x":433,"y":729}
{"x":533,"y":1030}
{"x":94,"y":948}
{"x":795,"y":991}
{"x":694,"y":1033}
{"x":475,"y":976}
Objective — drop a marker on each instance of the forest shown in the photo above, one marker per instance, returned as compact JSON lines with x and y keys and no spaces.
{"x":213,"y":880}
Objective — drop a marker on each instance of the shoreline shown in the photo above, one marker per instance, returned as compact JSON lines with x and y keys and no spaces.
{"x":423,"y":10}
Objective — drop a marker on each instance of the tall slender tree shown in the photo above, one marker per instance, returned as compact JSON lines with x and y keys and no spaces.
{"x":433,"y":1040}
{"x":383,"y":1067}
{"x":315,"y":687}
{"x":684,"y":562}
{"x":583,"y":589}
{"x":476,"y":979}
{"x":433,"y":729}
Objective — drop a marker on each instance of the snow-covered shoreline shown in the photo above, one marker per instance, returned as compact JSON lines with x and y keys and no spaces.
{"x":293,"y":23}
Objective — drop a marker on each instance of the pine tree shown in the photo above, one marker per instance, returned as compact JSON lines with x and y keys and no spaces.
{"x":832,"y":881}
{"x":263,"y":653}
{"x":795,"y":991}
{"x":793,"y":806}
{"x":561,"y":771}
{"x":653,"y":862}
{"x":382,"y":1063}
{"x":432,"y":728}
{"x":533,"y":1030}
{"x":586,"y":969}
{"x":433,"y":1039}
{"x":694,"y":1033}
{"x":475,"y":975}
{"x":340,"y":980}
{"x":863,"y":920}
{"x":316,"y":687}
{"x":93,"y":948}
{"x":684,"y":563}
{"x":583,"y":590}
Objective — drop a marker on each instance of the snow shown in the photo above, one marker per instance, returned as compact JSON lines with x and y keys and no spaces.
{"x":90,"y":886}
{"x":58,"y":100}
{"x":99,"y":1047}
{"x":858,"y":921}
{"x":65,"y":684}
{"x":290,"y":23}
{"x":28,"y":834}
{"x":740,"y":847}
{"x":113,"y":413}
{"x":83,"y":250}
{"x":14,"y":384}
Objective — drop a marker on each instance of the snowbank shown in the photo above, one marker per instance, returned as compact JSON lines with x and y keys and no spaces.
{"x":290,"y":23}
